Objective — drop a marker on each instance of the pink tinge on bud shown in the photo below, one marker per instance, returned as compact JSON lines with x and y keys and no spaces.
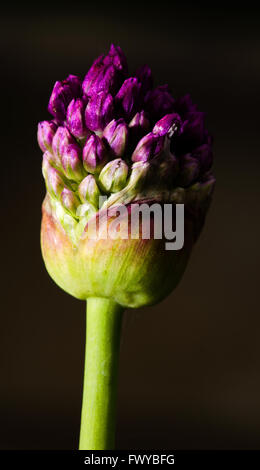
{"x":128,"y":98}
{"x":45,"y":134}
{"x":69,"y":201}
{"x":148,"y":147}
{"x":99,"y":111}
{"x":61,"y":141}
{"x":139,"y":125}
{"x":94,"y":154}
{"x":72,"y":164}
{"x":76,"y":118}
{"x":106,"y":73}
{"x":116,"y":135}
{"x":62,"y":94}
{"x":169,"y":124}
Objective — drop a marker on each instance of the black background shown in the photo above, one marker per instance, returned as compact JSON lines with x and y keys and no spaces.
{"x":190,"y":366}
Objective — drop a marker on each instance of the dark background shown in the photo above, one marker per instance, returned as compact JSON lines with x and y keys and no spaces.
{"x":190,"y":366}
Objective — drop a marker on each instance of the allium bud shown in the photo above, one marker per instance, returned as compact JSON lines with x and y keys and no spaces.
{"x":99,"y":111}
{"x":116,"y":135}
{"x":128,"y":98}
{"x":54,"y":180}
{"x":144,"y":75}
{"x":139,"y":125}
{"x":159,"y":101}
{"x":89,"y":191}
{"x":69,"y":201}
{"x":62,"y":94}
{"x":61,"y":141}
{"x":168,"y":124}
{"x":46,"y":132}
{"x":193,"y":129}
{"x":113,"y":176}
{"x":95,"y":154}
{"x":76,"y":118}
{"x":165,"y":158}
{"x":72,"y":164}
{"x":106,"y":73}
{"x":149,"y":146}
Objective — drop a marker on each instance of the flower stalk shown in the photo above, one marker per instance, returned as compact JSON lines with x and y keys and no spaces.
{"x":104,"y":319}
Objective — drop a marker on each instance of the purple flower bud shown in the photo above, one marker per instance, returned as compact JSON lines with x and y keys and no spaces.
{"x":140,"y":123}
{"x":138,"y":127}
{"x":46,"y":131}
{"x":76,"y":118}
{"x":144,"y":75}
{"x":72,"y":164}
{"x":61,"y":140}
{"x":62,"y":94}
{"x":116,"y":135}
{"x":69,"y":201}
{"x":193,"y":131}
{"x":99,"y":111}
{"x":128,"y":97}
{"x":205,"y":157}
{"x":148,"y":147}
{"x":159,"y":101}
{"x":117,"y":58}
{"x":169,"y":124}
{"x":94,"y":154}
{"x":106,"y":73}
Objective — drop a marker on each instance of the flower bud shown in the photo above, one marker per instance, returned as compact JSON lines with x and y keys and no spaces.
{"x":99,"y":111}
{"x":62,"y":94}
{"x":54,"y":180}
{"x":169,"y":124}
{"x":139,"y":125}
{"x":89,"y":191}
{"x":61,"y":141}
{"x":106,"y":73}
{"x":144,"y":75}
{"x":46,"y":132}
{"x":128,"y":97}
{"x":114,"y":175}
{"x":94,"y":154}
{"x":76,"y":118}
{"x":159,"y":101}
{"x":117,"y":58}
{"x":69,"y":201}
{"x":116,"y":135}
{"x":72,"y":164}
{"x":148,"y":147}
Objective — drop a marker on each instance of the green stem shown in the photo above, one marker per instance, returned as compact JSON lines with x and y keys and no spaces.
{"x":104,"y":318}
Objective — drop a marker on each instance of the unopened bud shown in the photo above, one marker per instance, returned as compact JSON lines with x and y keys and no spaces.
{"x":89,"y":191}
{"x":99,"y":111}
{"x":94,"y":154}
{"x":116,"y":135}
{"x":114,"y":175}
